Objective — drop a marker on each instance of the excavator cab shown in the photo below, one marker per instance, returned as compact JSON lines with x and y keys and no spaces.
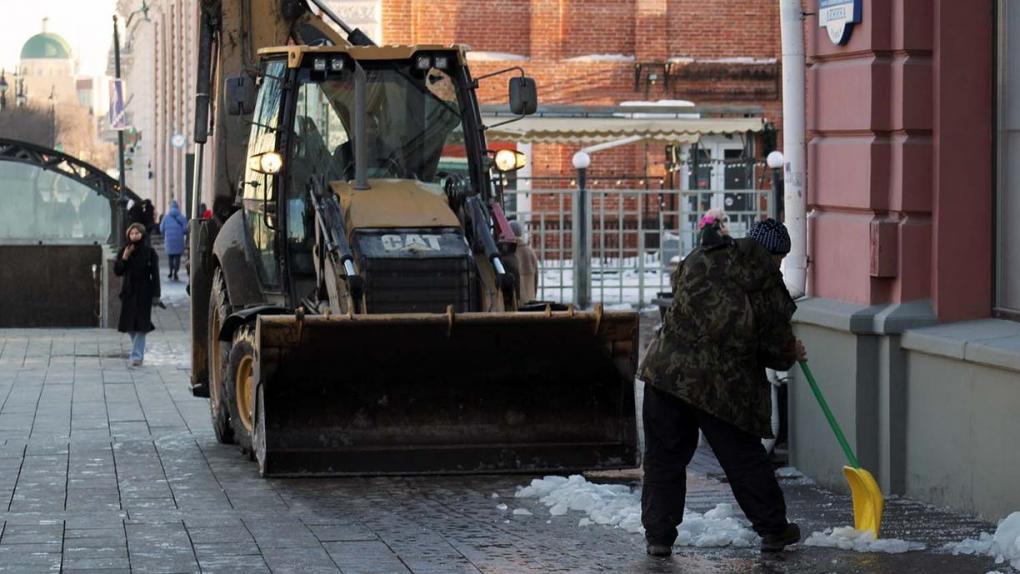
{"x":364,"y":315}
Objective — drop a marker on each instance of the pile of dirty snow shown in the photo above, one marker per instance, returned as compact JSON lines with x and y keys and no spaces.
{"x":848,"y":538}
{"x":1004,"y":545}
{"x":620,"y":506}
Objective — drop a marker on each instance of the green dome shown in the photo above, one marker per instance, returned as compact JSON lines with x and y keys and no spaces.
{"x":46,"y":46}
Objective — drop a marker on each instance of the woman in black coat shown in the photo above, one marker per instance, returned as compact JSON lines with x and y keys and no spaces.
{"x":138,"y":264}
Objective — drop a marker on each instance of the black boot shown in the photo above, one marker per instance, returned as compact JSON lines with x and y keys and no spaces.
{"x":659,"y":550}
{"x":780,"y":540}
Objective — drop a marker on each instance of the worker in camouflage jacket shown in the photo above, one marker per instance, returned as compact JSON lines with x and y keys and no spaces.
{"x":705,"y":369}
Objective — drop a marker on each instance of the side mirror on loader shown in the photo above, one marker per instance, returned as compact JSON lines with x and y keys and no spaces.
{"x":523,"y":96}
{"x":240,"y":95}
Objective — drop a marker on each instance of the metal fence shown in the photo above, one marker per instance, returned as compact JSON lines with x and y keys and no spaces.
{"x":637,"y":236}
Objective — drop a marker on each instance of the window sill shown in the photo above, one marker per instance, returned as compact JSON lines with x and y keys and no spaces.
{"x":989,"y":342}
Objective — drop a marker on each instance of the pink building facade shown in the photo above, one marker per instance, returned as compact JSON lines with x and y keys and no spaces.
{"x":914,"y":267}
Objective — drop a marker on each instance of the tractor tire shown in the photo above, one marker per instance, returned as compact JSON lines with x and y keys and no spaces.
{"x":240,"y":387}
{"x":218,"y":351}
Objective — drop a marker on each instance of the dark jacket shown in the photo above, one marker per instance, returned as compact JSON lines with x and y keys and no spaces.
{"x":148,"y":216}
{"x":730,"y":319}
{"x":139,"y":287}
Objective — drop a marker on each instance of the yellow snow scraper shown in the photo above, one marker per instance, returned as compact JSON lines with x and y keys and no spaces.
{"x":867,"y":497}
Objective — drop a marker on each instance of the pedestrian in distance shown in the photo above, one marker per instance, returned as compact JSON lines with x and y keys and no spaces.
{"x":135,"y":212}
{"x":713,"y":226}
{"x":174,"y":228}
{"x":148,"y":216}
{"x":138,"y":264}
{"x":705,"y":369}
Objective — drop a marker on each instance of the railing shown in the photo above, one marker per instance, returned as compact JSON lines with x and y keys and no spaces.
{"x":637,"y":236}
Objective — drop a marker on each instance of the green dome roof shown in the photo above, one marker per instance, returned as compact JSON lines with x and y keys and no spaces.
{"x":46,"y":46}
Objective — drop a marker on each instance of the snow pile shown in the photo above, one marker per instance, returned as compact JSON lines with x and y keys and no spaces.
{"x":717,"y":527}
{"x":1004,"y":545}
{"x":482,"y":56}
{"x":602,"y":58}
{"x":620,"y":506}
{"x":788,"y":472}
{"x":609,"y":504}
{"x":792,"y":476}
{"x":848,"y":538}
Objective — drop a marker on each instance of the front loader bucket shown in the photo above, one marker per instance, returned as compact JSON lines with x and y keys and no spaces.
{"x":434,"y":393}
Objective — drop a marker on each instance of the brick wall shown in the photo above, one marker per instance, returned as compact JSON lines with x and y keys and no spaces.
{"x":723,"y":28}
{"x":724,"y":52}
{"x":551,"y":32}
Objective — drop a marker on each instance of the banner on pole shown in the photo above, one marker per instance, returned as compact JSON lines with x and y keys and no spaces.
{"x":118,"y":116}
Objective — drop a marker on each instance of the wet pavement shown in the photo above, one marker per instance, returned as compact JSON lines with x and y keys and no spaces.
{"x":106,"y":468}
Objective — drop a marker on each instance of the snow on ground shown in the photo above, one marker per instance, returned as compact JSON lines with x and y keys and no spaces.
{"x":788,"y":472}
{"x":619,"y":506}
{"x":791,"y":476}
{"x":848,"y":538}
{"x":174,"y":293}
{"x":610,"y":286}
{"x":1004,"y":545}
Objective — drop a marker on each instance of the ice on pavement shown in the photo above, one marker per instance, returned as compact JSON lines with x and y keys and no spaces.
{"x":789,"y":472}
{"x":619,"y":506}
{"x":848,"y":538}
{"x":1004,"y":545}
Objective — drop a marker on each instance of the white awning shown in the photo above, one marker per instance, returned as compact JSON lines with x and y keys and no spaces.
{"x":589,"y":130}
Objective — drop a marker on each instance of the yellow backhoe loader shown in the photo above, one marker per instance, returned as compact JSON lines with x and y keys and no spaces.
{"x":355,"y":304}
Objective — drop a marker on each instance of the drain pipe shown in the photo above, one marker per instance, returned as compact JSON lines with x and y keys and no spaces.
{"x":794,"y":152}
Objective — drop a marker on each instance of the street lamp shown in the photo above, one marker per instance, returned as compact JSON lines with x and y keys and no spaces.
{"x":120,"y":221}
{"x":20,"y":97}
{"x":3,"y":90}
{"x":581,"y":249}
{"x":775,"y":161}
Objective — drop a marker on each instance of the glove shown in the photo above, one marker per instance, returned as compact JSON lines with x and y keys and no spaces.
{"x":157,"y":302}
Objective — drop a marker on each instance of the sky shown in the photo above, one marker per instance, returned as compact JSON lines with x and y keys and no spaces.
{"x":87,"y":26}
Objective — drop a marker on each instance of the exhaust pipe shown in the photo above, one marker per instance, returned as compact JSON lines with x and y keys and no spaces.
{"x":202,"y":101}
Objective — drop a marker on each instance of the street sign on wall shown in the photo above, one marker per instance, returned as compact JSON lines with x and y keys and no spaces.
{"x":838,"y":18}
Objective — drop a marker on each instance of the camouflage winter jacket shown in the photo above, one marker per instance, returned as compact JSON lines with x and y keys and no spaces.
{"x":730,"y":319}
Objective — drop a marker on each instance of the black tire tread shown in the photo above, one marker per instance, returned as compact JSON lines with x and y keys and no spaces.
{"x":244,"y":343}
{"x":219,"y":303}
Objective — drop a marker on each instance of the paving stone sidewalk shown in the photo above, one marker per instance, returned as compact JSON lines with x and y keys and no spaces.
{"x":106,"y":468}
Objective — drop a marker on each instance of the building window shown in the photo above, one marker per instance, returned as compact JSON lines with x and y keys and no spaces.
{"x":1008,"y":137}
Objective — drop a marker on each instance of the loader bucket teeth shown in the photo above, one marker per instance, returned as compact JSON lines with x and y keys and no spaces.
{"x":439,"y":393}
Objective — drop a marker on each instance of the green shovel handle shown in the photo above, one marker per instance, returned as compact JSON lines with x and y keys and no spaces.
{"x":828,"y":414}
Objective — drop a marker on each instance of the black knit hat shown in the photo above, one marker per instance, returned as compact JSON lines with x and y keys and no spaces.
{"x":772,"y":234}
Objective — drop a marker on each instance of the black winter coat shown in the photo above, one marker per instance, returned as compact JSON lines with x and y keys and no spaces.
{"x":139,"y":288}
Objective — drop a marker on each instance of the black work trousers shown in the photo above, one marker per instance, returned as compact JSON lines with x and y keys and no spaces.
{"x":671,"y":437}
